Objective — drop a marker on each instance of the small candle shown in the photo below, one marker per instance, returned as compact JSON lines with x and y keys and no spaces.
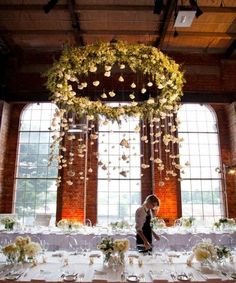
{"x":140,"y":263}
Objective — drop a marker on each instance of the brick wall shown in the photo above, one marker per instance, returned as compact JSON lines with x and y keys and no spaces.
{"x":8,"y":140}
{"x":203,"y":75}
{"x":71,"y":198}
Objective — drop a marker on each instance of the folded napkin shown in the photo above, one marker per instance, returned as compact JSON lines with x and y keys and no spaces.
{"x":95,"y":255}
{"x":13,"y":275}
{"x":57,"y":254}
{"x":133,"y":255}
{"x":99,"y":275}
{"x":173,"y":254}
{"x":99,"y":272}
{"x":155,"y":275}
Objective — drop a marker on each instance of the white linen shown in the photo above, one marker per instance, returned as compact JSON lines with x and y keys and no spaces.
{"x":160,"y":266}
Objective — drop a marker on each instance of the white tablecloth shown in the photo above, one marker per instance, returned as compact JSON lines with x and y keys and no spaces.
{"x":158,"y":267}
{"x":58,"y":240}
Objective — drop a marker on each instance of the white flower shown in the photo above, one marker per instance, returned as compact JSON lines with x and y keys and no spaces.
{"x":96,"y":83}
{"x":143,"y":90}
{"x":121,"y":79}
{"x":112,"y":93}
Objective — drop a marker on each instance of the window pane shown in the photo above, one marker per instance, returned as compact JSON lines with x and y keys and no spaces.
{"x":201,"y":188}
{"x":119,"y":196}
{"x":35,"y":182}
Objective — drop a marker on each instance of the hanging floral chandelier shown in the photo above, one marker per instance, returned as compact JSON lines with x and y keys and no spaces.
{"x":154,"y":98}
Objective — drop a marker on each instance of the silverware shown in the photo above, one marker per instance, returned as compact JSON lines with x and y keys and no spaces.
{"x":123,"y":277}
{"x":173,"y":276}
{"x":226,"y":274}
{"x":141,"y":277}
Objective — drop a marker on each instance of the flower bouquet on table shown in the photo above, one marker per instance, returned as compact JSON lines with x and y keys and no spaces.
{"x":21,"y":250}
{"x":224,"y":223}
{"x":207,"y":252}
{"x":123,"y":224}
{"x":158,"y":223}
{"x":68,"y":224}
{"x":8,"y":222}
{"x":187,"y":222}
{"x":113,"y":250}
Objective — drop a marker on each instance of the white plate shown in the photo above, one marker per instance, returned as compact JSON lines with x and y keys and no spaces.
{"x":233,"y":275}
{"x":69,"y":278}
{"x":183,"y":277}
{"x":132,"y":278}
{"x":12,"y":276}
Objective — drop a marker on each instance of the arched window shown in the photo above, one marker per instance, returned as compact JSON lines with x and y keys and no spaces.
{"x":119,"y":181}
{"x":201,"y":186}
{"x":35,"y":183}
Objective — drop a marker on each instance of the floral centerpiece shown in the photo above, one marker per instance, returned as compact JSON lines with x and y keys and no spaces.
{"x":187,"y":222}
{"x":67,"y":224}
{"x":208,"y":252}
{"x":123,"y":224}
{"x":225,"y":222}
{"x":154,"y":95}
{"x":21,"y":249}
{"x":8,"y":222}
{"x":158,"y":223}
{"x":113,"y":250}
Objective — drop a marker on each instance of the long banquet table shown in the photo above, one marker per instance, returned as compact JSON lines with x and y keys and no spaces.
{"x":60,"y":258}
{"x":52,"y":266}
{"x":58,"y":240}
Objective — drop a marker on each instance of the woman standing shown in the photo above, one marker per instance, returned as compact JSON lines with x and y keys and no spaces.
{"x":143,"y":217}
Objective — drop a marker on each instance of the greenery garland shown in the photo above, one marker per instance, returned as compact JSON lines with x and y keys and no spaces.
{"x":75,"y":64}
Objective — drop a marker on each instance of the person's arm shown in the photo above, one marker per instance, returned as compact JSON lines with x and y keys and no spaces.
{"x":155,"y":235}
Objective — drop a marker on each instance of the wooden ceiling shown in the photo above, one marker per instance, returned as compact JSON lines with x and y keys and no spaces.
{"x":30,"y":39}
{"x":25,"y":26}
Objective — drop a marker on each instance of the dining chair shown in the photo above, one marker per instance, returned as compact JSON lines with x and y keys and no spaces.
{"x":226,"y":240}
{"x":71,"y":244}
{"x":193,"y":240}
{"x":88,"y":222}
{"x":35,"y":239}
{"x":132,"y":243}
{"x":162,"y":244}
{"x":4,"y":240}
{"x":42,"y":219}
{"x":95,"y":241}
{"x":44,"y":245}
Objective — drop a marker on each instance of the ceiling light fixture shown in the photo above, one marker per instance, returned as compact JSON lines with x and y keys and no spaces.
{"x":158,"y":6}
{"x":184,"y":18}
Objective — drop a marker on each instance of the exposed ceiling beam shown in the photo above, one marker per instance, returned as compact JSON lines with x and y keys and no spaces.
{"x":115,"y":7}
{"x":80,"y":7}
{"x":196,"y":34}
{"x":188,"y":97}
{"x":120,"y":32}
{"x":230,"y":50}
{"x":166,"y":21}
{"x":75,"y":22}
{"x":81,"y":32}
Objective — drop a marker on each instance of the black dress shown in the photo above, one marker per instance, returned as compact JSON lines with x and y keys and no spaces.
{"x":147,"y":231}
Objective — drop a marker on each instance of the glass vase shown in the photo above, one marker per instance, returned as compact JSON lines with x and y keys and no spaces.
{"x":206,"y":266}
{"x":9,"y":226}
